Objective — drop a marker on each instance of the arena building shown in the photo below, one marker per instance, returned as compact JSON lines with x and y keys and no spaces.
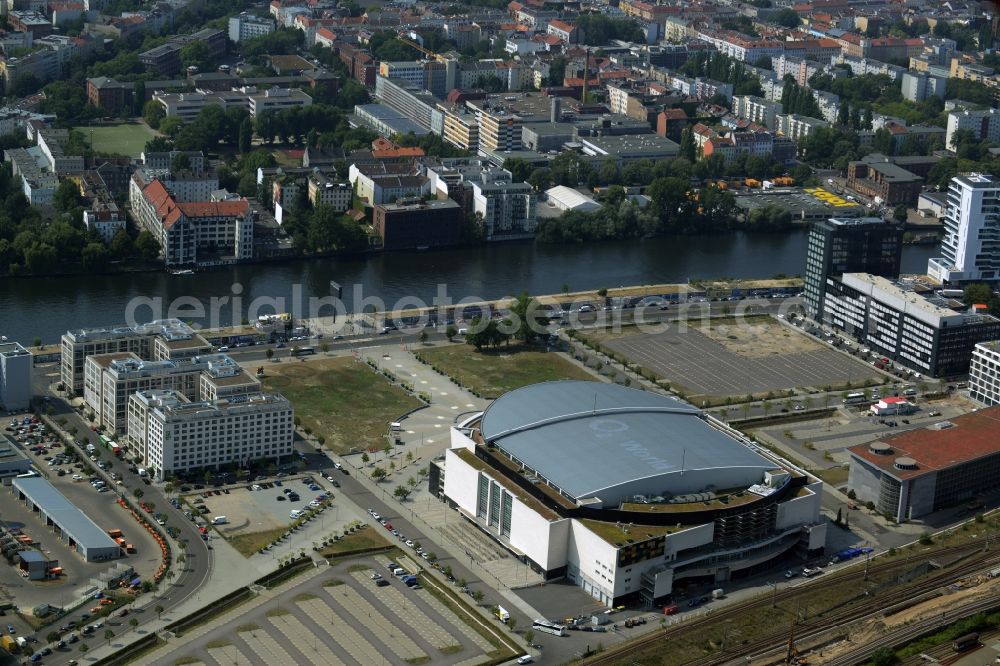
{"x":626,"y":492}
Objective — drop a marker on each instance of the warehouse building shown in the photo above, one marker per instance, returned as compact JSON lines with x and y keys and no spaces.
{"x":73,"y":526}
{"x":13,"y":460}
{"x":566,"y":198}
{"x":921,"y":471}
{"x":625,"y":493}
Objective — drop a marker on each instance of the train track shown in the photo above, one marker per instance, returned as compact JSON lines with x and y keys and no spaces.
{"x":879,"y":604}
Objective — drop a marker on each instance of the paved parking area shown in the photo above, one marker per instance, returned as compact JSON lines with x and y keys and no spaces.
{"x":334,"y":616}
{"x":251,"y":511}
{"x":704,"y":366}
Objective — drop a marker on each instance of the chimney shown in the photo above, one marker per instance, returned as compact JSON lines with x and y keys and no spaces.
{"x":555,"y":110}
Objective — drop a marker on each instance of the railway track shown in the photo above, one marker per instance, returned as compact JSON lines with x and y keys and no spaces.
{"x":836,"y":618}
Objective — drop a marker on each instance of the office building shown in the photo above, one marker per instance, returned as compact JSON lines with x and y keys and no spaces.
{"x":409,"y":225}
{"x":907,"y":323}
{"x":923,"y":470}
{"x":984,"y":373}
{"x":109,"y":380}
{"x":158,"y":340}
{"x":247,"y":26}
{"x":15,"y":376}
{"x":619,"y":491}
{"x":174,"y":435}
{"x":848,"y":245}
{"x":970,"y":248}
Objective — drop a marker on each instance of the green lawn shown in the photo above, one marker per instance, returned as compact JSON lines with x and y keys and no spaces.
{"x":341,"y":399}
{"x":123,"y":139}
{"x":493,"y":373}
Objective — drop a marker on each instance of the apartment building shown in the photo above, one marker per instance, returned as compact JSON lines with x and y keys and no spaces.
{"x":193,"y":233}
{"x":757,"y":110}
{"x":323,"y":191}
{"x":172,"y":434}
{"x":247,"y":26}
{"x":410,"y":100}
{"x":797,"y":127}
{"x":37,"y":183}
{"x":410,"y":225}
{"x":907,"y":323}
{"x":461,"y":126}
{"x":507,"y":209}
{"x":52,"y":143}
{"x":970,"y":248}
{"x":411,"y":71}
{"x":918,"y":86}
{"x":984,"y":124}
{"x":110,"y":379}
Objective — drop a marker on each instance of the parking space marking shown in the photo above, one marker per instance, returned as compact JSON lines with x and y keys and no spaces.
{"x":346,"y":636}
{"x":475,"y":661}
{"x":266,"y":647}
{"x":229,"y":654}
{"x":365,"y":613}
{"x":299,"y":636}
{"x":455,"y":621}
{"x":408,"y":613}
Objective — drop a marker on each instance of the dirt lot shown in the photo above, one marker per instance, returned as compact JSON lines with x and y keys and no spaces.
{"x":759,"y":339}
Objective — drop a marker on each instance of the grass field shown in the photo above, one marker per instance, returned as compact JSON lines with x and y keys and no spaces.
{"x":340,"y":399}
{"x":364,"y":539}
{"x":124,"y":139}
{"x":248,"y":544}
{"x":493,"y":373}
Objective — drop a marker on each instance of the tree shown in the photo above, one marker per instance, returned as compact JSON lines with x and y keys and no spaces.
{"x":181,"y":162}
{"x":529,"y":636}
{"x":423,"y":337}
{"x":196,"y":54}
{"x":900,"y":212}
{"x":153,"y":113}
{"x":246,"y":135}
{"x":977,"y":293}
{"x":94,"y":257}
{"x":477,"y":596}
{"x":133,"y":623}
{"x":159,"y":610}
{"x":378,"y":474}
{"x":108,"y":635}
{"x":786,"y":17}
{"x":52,"y":636}
{"x":450,"y":332}
{"x":527,"y":318}
{"x":885,"y":656}
{"x":171,"y":126}
{"x":83,"y":648}
{"x":688,"y":150}
{"x":121,"y":245}
{"x":269,"y":353}
{"x":147,"y":246}
{"x":401,"y":493}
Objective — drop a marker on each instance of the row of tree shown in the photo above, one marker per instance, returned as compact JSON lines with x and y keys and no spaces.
{"x":720,"y":67}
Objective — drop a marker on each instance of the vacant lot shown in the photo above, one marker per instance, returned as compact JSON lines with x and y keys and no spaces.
{"x":493,"y":373}
{"x":720,"y":358}
{"x":124,"y":139}
{"x":341,"y":399}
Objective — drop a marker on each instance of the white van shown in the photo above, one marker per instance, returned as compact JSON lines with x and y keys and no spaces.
{"x":296,"y":513}
{"x":220,"y":520}
{"x":141,"y":471}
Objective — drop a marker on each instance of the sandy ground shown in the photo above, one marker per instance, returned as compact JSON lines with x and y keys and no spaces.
{"x":759,"y":340}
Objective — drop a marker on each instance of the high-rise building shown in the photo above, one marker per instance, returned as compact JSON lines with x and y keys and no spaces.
{"x":844,"y":245}
{"x":984,"y":373}
{"x":15,"y":376}
{"x":970,"y":249}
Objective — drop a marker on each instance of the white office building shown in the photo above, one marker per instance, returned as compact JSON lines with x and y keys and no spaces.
{"x":15,"y":376}
{"x":984,"y":373}
{"x":970,"y":249}
{"x":175,"y":435}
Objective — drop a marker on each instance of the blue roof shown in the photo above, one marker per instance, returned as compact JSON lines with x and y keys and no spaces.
{"x":75,"y":523}
{"x":588,"y":437}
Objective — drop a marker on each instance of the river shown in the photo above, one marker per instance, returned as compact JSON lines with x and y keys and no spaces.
{"x":47,"y":307}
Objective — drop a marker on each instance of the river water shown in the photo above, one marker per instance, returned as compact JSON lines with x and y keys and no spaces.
{"x":47,"y":307}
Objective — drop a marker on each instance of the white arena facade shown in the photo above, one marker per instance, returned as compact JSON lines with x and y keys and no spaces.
{"x":624,"y":492}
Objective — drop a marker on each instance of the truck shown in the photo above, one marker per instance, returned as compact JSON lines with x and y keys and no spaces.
{"x":115,"y":533}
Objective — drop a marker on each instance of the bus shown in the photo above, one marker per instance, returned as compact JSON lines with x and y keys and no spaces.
{"x":855,"y":399}
{"x":547,"y":627}
{"x":303,"y":351}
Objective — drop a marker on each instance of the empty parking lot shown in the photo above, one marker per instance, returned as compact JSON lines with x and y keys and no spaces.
{"x":701,"y":365}
{"x":334,"y":616}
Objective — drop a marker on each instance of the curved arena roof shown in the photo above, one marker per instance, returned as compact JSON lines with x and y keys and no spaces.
{"x":592,"y":439}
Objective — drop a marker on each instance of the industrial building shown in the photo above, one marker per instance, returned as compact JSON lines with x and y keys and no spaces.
{"x":13,"y":460}
{"x":625,"y":493}
{"x":907,"y":322}
{"x":924,"y":470}
{"x":15,"y":376}
{"x":73,"y":526}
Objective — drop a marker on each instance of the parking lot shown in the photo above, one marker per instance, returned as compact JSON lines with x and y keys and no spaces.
{"x":701,"y":365}
{"x":249,"y":511}
{"x":102,"y":509}
{"x":334,"y":616}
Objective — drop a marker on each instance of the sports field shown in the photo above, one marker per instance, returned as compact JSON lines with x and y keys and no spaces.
{"x":122,"y":139}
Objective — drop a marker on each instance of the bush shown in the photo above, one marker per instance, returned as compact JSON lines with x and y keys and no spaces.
{"x":925,"y":539}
